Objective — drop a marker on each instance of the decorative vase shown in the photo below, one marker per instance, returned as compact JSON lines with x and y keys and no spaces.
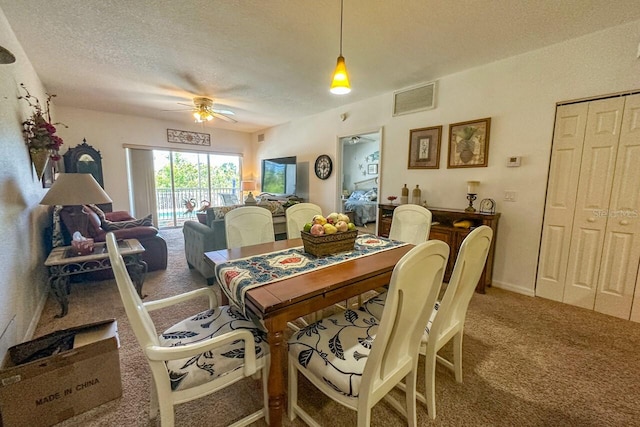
{"x":40,"y":159}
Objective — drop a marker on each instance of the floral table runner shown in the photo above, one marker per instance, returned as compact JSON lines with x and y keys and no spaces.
{"x":238,"y":276}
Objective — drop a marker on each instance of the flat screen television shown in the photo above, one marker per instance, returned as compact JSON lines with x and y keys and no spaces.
{"x":279,"y":176}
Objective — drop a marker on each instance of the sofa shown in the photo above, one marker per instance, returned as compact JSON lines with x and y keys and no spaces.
{"x":123,"y":226}
{"x":208,"y":234}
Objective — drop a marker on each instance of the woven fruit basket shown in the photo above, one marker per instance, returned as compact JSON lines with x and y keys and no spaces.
{"x":328,"y":244}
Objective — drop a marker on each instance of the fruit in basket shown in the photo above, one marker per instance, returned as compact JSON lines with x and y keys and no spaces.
{"x":342,"y":226}
{"x":343,"y":217}
{"x":317,"y":230}
{"x":319,"y":219}
{"x":351,"y":226}
{"x":307,"y":227}
{"x":332,"y":218}
{"x":330,"y":229}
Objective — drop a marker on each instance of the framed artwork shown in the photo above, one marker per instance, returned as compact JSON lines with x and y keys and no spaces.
{"x":469,"y":144}
{"x":372,"y":169}
{"x":424,"y":148}
{"x":186,"y":137}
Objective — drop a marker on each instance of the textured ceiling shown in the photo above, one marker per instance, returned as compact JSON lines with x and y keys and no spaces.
{"x":271,"y":61}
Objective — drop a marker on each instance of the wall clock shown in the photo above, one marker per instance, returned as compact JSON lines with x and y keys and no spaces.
{"x":323,"y":166}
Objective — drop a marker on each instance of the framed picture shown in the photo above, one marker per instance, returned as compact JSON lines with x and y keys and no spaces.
{"x":372,"y":169}
{"x":424,"y":148}
{"x":186,"y":137}
{"x":469,"y":144}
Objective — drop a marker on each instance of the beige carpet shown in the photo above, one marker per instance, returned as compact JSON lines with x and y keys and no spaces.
{"x":527,"y":362}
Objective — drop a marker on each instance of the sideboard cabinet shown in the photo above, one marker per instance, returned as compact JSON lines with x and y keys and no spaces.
{"x":442,"y":229}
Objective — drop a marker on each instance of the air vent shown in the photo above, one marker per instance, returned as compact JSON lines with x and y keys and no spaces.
{"x":261,"y":137}
{"x":413,"y":99}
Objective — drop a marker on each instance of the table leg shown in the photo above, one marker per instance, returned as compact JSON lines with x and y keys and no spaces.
{"x":138,"y":272}
{"x":60,"y":288}
{"x":278,"y":350}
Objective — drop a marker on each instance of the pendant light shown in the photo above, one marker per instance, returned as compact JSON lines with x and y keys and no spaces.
{"x":340,"y":84}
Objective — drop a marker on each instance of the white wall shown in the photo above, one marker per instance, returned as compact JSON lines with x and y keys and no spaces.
{"x":108,"y":132}
{"x":519,"y":94}
{"x":23,"y":289}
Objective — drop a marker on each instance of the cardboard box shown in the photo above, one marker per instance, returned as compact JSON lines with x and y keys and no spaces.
{"x":60,"y":375}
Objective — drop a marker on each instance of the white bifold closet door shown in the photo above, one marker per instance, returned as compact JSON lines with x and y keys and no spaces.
{"x":590,"y":242}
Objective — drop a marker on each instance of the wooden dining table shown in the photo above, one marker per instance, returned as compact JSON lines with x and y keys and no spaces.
{"x":280,"y":302}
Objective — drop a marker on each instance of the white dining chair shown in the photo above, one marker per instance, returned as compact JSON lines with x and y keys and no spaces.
{"x":298,"y":215}
{"x":410,"y":224}
{"x":447,"y":319}
{"x":355,"y":359}
{"x":248,"y":225}
{"x":197,"y":356}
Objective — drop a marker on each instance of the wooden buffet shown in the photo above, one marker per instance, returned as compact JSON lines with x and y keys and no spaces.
{"x":442,"y":229}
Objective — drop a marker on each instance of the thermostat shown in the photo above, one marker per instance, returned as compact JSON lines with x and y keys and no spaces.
{"x":513,"y":161}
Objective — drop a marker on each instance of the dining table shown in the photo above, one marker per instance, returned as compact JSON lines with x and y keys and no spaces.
{"x":277,"y":303}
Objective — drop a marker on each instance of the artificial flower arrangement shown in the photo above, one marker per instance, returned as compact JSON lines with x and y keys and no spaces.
{"x":39,"y":132}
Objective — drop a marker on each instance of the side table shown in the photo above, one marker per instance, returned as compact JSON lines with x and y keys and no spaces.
{"x":63,"y":262}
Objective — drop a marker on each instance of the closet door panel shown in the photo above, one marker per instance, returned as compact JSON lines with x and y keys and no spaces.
{"x":592,"y":202}
{"x":621,"y":252}
{"x":561,"y":196}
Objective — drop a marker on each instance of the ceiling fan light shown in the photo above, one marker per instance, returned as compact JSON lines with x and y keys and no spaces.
{"x":340,"y":84}
{"x":196,"y":115}
{"x":209,"y":117}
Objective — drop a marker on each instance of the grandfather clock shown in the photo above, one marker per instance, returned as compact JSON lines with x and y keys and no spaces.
{"x":85,"y":159}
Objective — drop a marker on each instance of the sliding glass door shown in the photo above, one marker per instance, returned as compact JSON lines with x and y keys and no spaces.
{"x":188,"y":182}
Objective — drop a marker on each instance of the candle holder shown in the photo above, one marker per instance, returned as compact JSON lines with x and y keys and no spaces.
{"x":472,"y":186}
{"x":471,"y":198}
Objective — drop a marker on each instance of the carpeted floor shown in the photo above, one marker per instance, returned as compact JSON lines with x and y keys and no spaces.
{"x":527,"y":362}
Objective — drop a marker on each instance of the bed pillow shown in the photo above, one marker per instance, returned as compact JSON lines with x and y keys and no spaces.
{"x":371,"y":195}
{"x":357,"y":195}
{"x":121,"y":225}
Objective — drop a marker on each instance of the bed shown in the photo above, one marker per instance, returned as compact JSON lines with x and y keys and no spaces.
{"x":363,"y":202}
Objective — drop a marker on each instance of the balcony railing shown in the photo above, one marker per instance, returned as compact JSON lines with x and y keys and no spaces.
{"x":172,"y":209}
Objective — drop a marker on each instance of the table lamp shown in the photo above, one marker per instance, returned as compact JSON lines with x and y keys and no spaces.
{"x":72,"y":190}
{"x":472,"y":192}
{"x":248,"y":186}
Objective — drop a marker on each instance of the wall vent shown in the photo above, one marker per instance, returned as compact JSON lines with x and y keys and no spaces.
{"x":261,"y":137}
{"x":414,"y":99}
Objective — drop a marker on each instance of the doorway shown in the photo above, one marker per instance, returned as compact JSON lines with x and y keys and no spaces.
{"x":359,"y":170}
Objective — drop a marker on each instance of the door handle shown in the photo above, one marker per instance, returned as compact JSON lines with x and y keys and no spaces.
{"x":591,"y":219}
{"x":624,"y":222}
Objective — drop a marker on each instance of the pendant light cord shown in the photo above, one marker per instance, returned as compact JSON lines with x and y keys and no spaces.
{"x":341,"y":17}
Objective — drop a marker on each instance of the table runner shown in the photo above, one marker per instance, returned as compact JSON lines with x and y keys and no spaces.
{"x":238,"y":276}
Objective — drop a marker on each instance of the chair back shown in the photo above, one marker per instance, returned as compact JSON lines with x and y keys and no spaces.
{"x":470,"y":262}
{"x":415,"y":283}
{"x":248,"y":225}
{"x":411,"y":224}
{"x":298,"y":215}
{"x":137,"y":314}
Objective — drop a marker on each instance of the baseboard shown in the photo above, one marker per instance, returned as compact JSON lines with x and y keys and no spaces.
{"x":513,"y":288}
{"x":36,"y":318}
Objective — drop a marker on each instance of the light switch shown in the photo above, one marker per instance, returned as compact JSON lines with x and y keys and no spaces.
{"x":510,"y":196}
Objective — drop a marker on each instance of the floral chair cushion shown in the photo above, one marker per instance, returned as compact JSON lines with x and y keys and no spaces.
{"x":336,"y":349}
{"x":193,"y":371}
{"x":375,"y":305}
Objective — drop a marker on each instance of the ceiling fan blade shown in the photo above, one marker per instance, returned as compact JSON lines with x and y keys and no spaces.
{"x":227,"y":112}
{"x":225,"y":118}
{"x":182,"y":109}
{"x":186,"y":105}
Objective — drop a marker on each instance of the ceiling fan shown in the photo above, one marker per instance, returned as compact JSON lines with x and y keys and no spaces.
{"x":203,"y":111}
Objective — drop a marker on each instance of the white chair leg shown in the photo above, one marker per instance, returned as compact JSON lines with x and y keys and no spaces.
{"x":410,"y":393}
{"x":265,"y":391}
{"x":430,"y":381}
{"x":293,"y":390}
{"x":364,"y":418}
{"x":457,"y":355}
{"x":153,"y":401}
{"x":166,"y":414}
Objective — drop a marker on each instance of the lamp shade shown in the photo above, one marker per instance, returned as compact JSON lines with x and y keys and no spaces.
{"x":72,"y":189}
{"x":248,"y":185}
{"x":340,"y":84}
